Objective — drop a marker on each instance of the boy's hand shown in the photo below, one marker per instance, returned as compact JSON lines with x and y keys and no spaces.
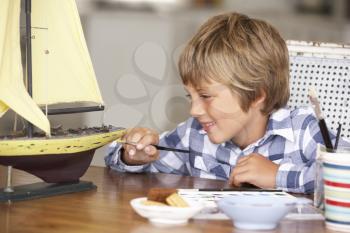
{"x":254,"y":169}
{"x":143,"y":152}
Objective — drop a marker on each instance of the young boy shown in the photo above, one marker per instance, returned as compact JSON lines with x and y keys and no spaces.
{"x":236,"y":72}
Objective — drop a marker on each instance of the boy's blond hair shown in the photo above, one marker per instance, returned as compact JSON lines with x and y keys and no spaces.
{"x":247,"y":55}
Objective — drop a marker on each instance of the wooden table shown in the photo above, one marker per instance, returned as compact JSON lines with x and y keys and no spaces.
{"x":107,"y":209}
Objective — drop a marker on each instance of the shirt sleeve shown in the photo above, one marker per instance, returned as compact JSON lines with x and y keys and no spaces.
{"x":297,"y":170}
{"x":168,"y":162}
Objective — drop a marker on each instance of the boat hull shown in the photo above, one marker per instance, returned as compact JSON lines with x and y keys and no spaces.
{"x":52,"y":168}
{"x":55,"y":160}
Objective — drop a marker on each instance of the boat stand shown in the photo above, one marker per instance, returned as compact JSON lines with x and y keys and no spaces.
{"x":40,"y":189}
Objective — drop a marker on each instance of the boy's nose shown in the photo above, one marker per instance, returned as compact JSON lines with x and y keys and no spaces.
{"x":197,"y":108}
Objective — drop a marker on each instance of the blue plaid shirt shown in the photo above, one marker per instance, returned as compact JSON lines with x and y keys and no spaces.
{"x":290,"y":140}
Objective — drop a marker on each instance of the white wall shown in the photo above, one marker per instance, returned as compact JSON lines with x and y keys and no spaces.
{"x":134,"y":56}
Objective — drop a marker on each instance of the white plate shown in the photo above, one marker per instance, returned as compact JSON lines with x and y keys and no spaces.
{"x":166,"y":214}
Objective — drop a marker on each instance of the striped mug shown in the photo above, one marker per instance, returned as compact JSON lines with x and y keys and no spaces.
{"x":336,"y":180}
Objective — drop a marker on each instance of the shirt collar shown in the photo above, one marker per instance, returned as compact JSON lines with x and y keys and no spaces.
{"x":280,"y":123}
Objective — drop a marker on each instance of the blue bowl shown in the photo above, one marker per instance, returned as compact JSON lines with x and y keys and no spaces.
{"x":256,"y":212}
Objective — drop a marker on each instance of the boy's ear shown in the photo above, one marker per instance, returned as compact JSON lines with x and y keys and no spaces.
{"x":260,"y":101}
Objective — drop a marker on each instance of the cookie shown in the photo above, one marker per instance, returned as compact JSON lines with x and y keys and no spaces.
{"x":176,"y":200}
{"x":160,"y":194}
{"x":152,"y":203}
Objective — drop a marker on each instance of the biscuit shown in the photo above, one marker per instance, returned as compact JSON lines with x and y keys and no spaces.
{"x":176,"y":200}
{"x":160,"y":194}
{"x":152,"y":203}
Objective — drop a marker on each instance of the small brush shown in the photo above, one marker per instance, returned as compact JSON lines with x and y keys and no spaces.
{"x":321,"y":122}
{"x":345,"y":104}
{"x":156,"y":146}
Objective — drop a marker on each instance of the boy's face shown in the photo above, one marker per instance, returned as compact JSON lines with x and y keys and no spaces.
{"x":218,"y":111}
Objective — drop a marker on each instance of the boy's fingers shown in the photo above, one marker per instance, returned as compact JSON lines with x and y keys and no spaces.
{"x":149,"y":153}
{"x":236,"y":175}
{"x":132,"y":137}
{"x":234,"y":181}
{"x":143,"y":151}
{"x":150,"y":150}
{"x":146,"y":140}
{"x":129,"y":149}
{"x":245,"y":159}
{"x":135,"y":134}
{"x":131,"y":153}
{"x":239,"y":170}
{"x":142,"y":158}
{"x":242,"y":164}
{"x":135,"y":137}
{"x":240,"y":178}
{"x":242,"y":161}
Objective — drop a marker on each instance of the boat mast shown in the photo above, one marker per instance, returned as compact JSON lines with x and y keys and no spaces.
{"x":28,"y":9}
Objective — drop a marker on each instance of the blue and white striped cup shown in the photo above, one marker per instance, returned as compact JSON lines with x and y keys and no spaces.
{"x":336,"y":179}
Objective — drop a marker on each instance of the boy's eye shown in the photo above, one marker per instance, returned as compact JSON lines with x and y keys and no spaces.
{"x":204,"y":96}
{"x":201,"y":96}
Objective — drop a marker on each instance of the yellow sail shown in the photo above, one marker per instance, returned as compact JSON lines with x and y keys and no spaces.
{"x":62,"y":69}
{"x":13,"y":93}
{"x":3,"y":108}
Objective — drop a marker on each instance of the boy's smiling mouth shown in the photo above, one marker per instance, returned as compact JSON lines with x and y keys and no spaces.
{"x":207,"y":126}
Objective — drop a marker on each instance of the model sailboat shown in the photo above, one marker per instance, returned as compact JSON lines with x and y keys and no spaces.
{"x":59,"y":70}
